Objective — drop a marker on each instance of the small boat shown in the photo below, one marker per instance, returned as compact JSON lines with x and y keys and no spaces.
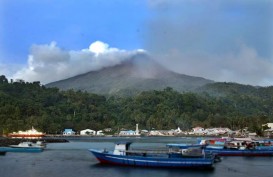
{"x":27,"y":147}
{"x":28,"y":144}
{"x":19,"y":149}
{"x":173,"y":156}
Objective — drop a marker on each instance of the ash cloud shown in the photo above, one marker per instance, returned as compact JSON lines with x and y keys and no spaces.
{"x":244,"y":66}
{"x":219,"y":40}
{"x":48,"y":63}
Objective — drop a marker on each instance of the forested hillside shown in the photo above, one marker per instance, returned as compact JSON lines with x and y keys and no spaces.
{"x":236,"y":106}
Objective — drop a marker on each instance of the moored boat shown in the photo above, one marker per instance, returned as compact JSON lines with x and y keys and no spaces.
{"x":32,"y":133}
{"x":28,"y":144}
{"x":19,"y":149}
{"x":238,"y":147}
{"x":24,"y":147}
{"x":241,"y":152}
{"x":192,"y":157}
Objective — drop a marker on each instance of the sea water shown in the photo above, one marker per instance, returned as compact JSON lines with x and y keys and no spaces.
{"x":74,"y":160}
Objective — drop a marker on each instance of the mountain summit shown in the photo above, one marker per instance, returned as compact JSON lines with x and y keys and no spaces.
{"x":139,"y":73}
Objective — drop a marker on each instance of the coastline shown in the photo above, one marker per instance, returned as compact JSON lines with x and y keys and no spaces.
{"x":6,"y":141}
{"x":13,"y":141}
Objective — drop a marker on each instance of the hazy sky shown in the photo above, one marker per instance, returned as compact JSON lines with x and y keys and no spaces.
{"x":222,"y":40}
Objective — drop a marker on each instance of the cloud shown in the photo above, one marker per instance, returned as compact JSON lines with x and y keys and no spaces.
{"x":8,"y":70}
{"x":48,"y":63}
{"x":4,"y":69}
{"x":99,"y":47}
{"x":218,"y":40}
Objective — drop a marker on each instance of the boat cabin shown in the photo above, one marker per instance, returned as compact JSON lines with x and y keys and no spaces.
{"x":238,"y":145}
{"x":121,"y":148}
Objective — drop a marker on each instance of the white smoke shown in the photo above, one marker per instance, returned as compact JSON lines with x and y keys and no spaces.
{"x":48,"y":63}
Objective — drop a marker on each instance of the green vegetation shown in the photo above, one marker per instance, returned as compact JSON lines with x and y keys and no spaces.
{"x":236,"y":106}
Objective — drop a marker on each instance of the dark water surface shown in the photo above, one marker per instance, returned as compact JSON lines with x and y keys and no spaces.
{"x":74,"y":160}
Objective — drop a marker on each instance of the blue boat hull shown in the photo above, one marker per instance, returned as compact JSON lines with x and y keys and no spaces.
{"x":141,"y":161}
{"x":21,"y":149}
{"x":245,"y":152}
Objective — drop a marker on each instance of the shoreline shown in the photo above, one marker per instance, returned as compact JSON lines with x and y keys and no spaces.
{"x":14,"y":141}
{"x":6,"y":141}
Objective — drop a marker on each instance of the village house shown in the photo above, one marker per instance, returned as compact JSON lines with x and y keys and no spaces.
{"x":216,"y":131}
{"x":155,"y":133}
{"x":268,"y":132}
{"x":68,"y":132}
{"x":210,"y":131}
{"x":107,"y":130}
{"x":198,"y":130}
{"x":87,"y":132}
{"x":100,"y":133}
{"x":130,"y":132}
{"x":270,"y":125}
{"x":127,"y":132}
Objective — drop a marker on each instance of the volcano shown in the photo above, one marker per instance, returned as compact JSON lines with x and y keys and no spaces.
{"x":136,"y":74}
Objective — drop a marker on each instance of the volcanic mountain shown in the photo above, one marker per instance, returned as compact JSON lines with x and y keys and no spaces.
{"x":139,"y":73}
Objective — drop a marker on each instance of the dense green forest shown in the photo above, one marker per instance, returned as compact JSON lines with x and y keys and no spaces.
{"x":50,"y":110}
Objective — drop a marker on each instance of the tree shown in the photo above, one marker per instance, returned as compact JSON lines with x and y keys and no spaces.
{"x":3,"y":79}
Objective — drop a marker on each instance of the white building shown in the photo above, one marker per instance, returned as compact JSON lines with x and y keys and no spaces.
{"x":88,"y":132}
{"x":100,"y":132}
{"x":198,"y":130}
{"x":127,"y":133}
{"x":130,"y":132}
{"x":269,"y":132}
{"x":216,"y":131}
{"x":270,"y":125}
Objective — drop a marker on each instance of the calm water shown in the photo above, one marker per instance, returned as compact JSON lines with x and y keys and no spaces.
{"x":73,"y":159}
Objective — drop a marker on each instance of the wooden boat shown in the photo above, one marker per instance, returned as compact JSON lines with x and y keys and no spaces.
{"x":172,"y":156}
{"x":238,"y":148}
{"x":263,"y":144}
{"x":240,"y":152}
